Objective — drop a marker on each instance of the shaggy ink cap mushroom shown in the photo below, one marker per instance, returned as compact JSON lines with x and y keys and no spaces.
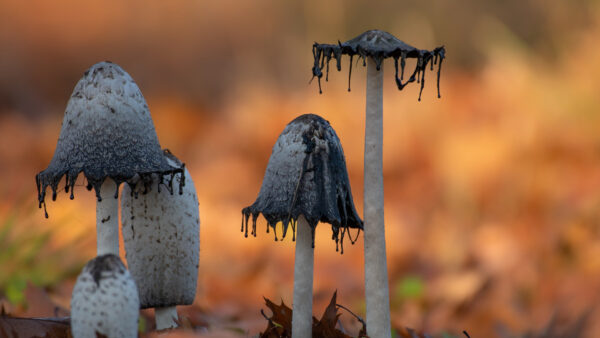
{"x":161,"y":233}
{"x":107,"y":132}
{"x":306,"y":175}
{"x":373,"y":47}
{"x":105,"y":300}
{"x":379,"y":45}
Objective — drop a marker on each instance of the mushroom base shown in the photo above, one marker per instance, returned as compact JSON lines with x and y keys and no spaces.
{"x":166,"y":317}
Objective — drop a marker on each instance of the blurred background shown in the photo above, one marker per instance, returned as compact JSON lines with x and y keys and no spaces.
{"x":491,"y":192}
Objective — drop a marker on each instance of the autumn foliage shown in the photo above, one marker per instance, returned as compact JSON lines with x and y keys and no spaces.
{"x":491,"y":192}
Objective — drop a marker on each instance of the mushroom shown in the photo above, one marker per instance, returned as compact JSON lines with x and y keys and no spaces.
{"x":373,"y":47}
{"x":105,"y":300}
{"x":107,"y":133}
{"x":306,"y":182}
{"x":161,"y":233}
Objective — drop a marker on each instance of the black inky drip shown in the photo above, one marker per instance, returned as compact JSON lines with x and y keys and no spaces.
{"x":379,"y":45}
{"x":95,"y":140}
{"x":143,"y":179}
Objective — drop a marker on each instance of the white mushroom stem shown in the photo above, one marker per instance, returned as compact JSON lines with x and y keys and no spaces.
{"x":107,"y":219}
{"x":303,"y":281}
{"x":165,"y":317}
{"x":376,"y":276}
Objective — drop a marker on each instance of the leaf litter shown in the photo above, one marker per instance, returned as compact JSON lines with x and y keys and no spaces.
{"x":329,"y":326}
{"x":280,"y":323}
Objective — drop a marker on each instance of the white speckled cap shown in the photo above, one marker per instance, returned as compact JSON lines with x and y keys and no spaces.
{"x":161,"y":232}
{"x":107,"y":131}
{"x":104,"y":300}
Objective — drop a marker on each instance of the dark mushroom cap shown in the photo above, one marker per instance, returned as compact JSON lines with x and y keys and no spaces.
{"x":378,"y":45}
{"x":306,"y":175}
{"x":107,"y":131}
{"x":104,"y":266}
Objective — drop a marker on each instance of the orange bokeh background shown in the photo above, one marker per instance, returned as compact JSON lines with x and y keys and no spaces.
{"x":491,"y":192}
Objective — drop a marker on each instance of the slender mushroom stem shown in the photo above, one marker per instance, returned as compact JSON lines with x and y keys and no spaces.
{"x":376,"y":276}
{"x":303,"y":281}
{"x":107,"y":219}
{"x":165,"y":317}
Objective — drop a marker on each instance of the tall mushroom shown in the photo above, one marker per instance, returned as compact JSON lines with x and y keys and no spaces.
{"x":105,"y":300}
{"x":306,"y":182}
{"x":161,"y":233}
{"x":107,"y":133}
{"x":373,"y":47}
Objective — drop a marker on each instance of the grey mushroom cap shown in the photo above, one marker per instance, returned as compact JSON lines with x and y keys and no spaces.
{"x":306,"y":175}
{"x":104,"y":300}
{"x":107,"y":132}
{"x":161,"y":234}
{"x":379,"y":45}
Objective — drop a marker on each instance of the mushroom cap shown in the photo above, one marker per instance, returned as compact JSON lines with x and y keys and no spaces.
{"x":379,"y":45}
{"x":161,"y":232}
{"x":104,"y":300}
{"x":374,"y":42}
{"x":107,"y":131}
{"x":306,"y":175}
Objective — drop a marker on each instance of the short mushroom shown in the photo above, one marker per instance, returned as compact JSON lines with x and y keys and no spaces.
{"x":306,"y":182}
{"x":107,"y":133}
{"x":161,"y":233}
{"x":105,"y":300}
{"x":373,"y":47}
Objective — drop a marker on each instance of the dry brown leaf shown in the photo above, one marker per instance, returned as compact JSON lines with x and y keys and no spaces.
{"x":280,"y":323}
{"x":326,"y":327}
{"x":12,"y":327}
{"x":39,"y":304}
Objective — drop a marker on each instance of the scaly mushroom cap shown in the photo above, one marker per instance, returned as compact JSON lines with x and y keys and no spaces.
{"x":378,"y":45}
{"x":306,"y":175}
{"x":161,"y":232}
{"x":107,"y":131}
{"x":104,"y":300}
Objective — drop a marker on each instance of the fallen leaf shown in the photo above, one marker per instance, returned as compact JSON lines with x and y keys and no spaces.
{"x":280,"y":323}
{"x":326,"y":327}
{"x":13,"y":327}
{"x":39,"y":304}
